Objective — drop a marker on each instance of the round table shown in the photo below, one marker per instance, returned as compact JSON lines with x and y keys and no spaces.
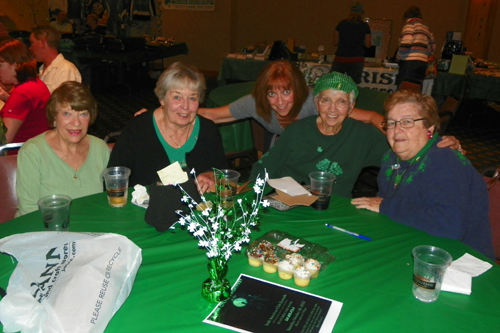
{"x":371,"y":278}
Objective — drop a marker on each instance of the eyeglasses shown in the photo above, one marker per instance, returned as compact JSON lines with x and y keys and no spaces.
{"x":340,"y":103}
{"x":404,"y":123}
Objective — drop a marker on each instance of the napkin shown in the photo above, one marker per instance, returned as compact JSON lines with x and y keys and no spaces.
{"x":140,"y":196}
{"x":289,"y":186}
{"x":173,"y":174}
{"x":458,"y":276}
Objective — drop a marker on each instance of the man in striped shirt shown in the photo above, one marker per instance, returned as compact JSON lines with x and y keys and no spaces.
{"x":416,"y":44}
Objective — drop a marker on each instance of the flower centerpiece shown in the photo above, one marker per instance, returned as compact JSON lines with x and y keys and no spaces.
{"x":221,"y":229}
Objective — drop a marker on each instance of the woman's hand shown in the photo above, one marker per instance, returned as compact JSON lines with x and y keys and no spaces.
{"x":141,"y":111}
{"x":372,"y":204}
{"x":205,"y":181}
{"x":451,"y":142}
{"x":4,"y":95}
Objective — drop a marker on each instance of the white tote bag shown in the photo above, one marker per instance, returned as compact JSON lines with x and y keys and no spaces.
{"x":67,"y":282}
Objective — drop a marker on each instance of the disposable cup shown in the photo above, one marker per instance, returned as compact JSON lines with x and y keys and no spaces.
{"x":226,"y":184}
{"x":321,"y":186}
{"x":55,"y":212}
{"x":429,"y":266}
{"x":116,"y":179}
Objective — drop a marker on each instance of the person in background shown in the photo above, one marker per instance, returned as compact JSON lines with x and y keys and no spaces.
{"x":416,"y":44}
{"x":54,"y":69}
{"x":435,"y":190}
{"x":24,"y":111}
{"x":92,"y":28}
{"x":61,"y":23}
{"x":280,"y":97}
{"x":174,"y":132}
{"x":64,"y":160}
{"x":351,"y":37}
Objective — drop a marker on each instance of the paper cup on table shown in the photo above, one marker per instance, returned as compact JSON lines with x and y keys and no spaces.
{"x":116,"y":179}
{"x":429,"y":265}
{"x":321,"y":186}
{"x":226,"y":184}
{"x":55,"y":212}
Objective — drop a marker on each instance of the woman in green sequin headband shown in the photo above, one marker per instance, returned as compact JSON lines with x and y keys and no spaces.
{"x":335,"y":96}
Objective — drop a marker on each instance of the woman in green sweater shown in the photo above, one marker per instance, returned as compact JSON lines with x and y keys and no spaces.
{"x":64,"y":160}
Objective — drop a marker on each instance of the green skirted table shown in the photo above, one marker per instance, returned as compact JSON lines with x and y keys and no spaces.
{"x":470,"y":86}
{"x":446,"y":84}
{"x":236,"y":136}
{"x":484,"y":87}
{"x":240,"y":70}
{"x":371,"y":278}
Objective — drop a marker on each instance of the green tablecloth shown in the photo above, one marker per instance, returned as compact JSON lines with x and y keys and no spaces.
{"x":240,"y":70}
{"x":446,"y":84}
{"x":372,"y":279}
{"x":236,"y":136}
{"x":484,"y":87}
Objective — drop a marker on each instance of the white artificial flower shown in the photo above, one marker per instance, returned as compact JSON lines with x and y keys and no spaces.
{"x":257,"y":189}
{"x":259,"y":182}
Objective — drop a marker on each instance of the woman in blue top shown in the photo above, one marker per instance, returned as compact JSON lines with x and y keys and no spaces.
{"x":435,"y":190}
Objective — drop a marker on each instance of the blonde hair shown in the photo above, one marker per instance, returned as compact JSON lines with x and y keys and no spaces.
{"x":179,"y":75}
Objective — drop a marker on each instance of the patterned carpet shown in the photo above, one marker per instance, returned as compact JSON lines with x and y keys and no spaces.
{"x":476,"y":124}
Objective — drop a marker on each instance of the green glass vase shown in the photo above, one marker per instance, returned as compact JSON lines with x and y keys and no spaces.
{"x":216,"y":288}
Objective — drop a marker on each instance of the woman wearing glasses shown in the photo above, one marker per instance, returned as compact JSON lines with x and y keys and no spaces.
{"x":432,"y":189}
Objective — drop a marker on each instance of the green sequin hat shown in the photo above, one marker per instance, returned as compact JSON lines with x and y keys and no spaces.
{"x":337,"y":81}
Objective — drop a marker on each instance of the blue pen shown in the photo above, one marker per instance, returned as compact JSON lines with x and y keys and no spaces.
{"x":348,"y":232}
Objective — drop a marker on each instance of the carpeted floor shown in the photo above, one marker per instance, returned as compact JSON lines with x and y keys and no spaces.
{"x":476,"y":124}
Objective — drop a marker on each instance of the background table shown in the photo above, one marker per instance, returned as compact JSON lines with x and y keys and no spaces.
{"x":236,"y":136}
{"x":372,"y":279}
{"x":101,"y":67}
{"x":378,"y":78}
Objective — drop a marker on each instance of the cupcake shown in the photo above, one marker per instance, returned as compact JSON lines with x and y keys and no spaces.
{"x":254,"y":257}
{"x":270,"y":263}
{"x":285,"y":269}
{"x":266,"y":247}
{"x":302,"y":277}
{"x":296,"y":259}
{"x":258,"y":251}
{"x":313,"y":266}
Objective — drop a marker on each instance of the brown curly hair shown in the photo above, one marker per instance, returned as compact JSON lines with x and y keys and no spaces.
{"x":74,"y":94}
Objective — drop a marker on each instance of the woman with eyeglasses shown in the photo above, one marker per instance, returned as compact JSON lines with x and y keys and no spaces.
{"x":420,"y":185}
